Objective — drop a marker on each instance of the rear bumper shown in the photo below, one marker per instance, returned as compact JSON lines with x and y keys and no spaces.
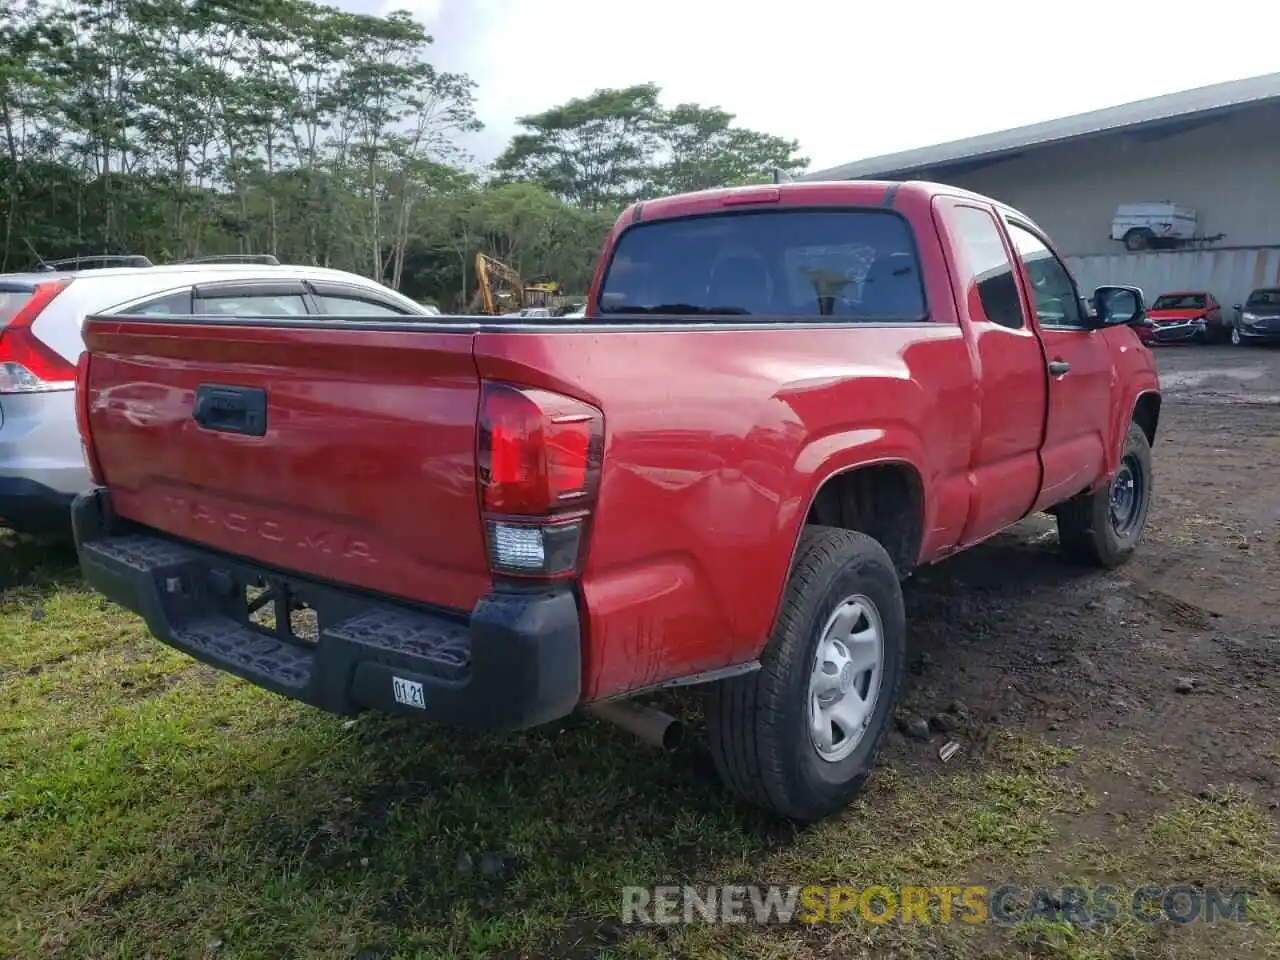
{"x":32,"y":507}
{"x":514,"y":662}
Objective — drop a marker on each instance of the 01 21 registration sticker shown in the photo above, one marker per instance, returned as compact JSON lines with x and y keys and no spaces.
{"x":409,"y":693}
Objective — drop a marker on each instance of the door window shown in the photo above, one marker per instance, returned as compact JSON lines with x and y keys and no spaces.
{"x":253,"y":306}
{"x":1053,"y":293}
{"x":355,"y":307}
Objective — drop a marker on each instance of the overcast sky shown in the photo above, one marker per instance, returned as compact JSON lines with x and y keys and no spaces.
{"x":849,"y":80}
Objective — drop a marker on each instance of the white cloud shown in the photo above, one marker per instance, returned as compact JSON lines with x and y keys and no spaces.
{"x":848,"y":80}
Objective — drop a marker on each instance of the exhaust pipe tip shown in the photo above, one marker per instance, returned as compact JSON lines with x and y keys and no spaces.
{"x":673,"y":736}
{"x":647,"y":724}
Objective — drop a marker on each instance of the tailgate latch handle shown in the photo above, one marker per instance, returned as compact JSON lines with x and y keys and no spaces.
{"x":231,"y":409}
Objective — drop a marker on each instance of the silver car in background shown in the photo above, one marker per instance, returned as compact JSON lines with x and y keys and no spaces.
{"x":41,"y":314}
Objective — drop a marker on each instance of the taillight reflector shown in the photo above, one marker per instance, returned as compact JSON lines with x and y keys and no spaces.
{"x":538,"y":462}
{"x":26,"y":364}
{"x":82,"y":419}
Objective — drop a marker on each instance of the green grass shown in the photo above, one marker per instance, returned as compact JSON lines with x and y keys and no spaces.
{"x":150,"y":806}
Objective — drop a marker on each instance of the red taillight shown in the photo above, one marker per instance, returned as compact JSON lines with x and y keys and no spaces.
{"x":538,"y":464}
{"x":82,"y":419}
{"x":26,"y":364}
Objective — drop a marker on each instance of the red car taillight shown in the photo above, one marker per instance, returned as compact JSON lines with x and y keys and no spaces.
{"x":82,"y":419}
{"x":26,"y":364}
{"x":538,"y":462}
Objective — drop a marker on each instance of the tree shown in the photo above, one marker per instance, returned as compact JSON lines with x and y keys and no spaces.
{"x":184,"y":127}
{"x":702,"y":149}
{"x":603,"y":151}
{"x":594,"y":152}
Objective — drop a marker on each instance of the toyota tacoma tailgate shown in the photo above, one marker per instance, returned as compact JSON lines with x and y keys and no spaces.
{"x":341,"y":453}
{"x":298,"y":503}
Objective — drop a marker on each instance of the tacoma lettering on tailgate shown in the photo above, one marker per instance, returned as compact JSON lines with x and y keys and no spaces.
{"x":239,"y":521}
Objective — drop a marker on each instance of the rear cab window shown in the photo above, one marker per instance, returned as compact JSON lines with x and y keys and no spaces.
{"x":848,"y":265}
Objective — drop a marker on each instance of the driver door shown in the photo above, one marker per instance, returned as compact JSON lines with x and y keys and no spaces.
{"x":1079,"y":369}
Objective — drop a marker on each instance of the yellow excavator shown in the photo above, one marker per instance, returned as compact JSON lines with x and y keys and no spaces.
{"x":500,"y":289}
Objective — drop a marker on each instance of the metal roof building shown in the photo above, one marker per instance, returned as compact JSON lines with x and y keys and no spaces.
{"x":1215,"y":148}
{"x":1161,"y":117}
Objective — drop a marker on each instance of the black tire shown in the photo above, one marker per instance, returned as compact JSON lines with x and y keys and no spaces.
{"x":1090,"y":532}
{"x":1138,"y":239}
{"x":758,"y":724}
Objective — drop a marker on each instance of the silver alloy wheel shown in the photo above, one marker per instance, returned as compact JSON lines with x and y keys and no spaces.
{"x":848,"y":669}
{"x":1235,"y":336}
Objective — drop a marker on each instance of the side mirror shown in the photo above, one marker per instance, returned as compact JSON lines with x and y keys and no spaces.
{"x":1237,"y":307}
{"x":1118,"y":306}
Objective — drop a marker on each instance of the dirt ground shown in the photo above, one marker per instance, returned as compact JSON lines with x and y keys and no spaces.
{"x":1022,"y":639}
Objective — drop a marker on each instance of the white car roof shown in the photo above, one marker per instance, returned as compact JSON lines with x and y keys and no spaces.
{"x":220,"y":271}
{"x":95,"y":291}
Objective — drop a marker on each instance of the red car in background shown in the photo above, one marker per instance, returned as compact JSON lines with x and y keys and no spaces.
{"x":1190,"y":315}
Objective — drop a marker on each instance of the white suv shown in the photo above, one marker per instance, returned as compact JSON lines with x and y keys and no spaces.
{"x":41,"y":466}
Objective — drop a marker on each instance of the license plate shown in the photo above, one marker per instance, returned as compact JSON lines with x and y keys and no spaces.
{"x":409,"y":693}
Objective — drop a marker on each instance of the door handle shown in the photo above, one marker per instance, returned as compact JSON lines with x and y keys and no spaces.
{"x":1058,"y":368}
{"x":231,"y":409}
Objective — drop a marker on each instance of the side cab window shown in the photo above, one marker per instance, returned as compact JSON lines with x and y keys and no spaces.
{"x":990,"y":287}
{"x":1053,"y":293}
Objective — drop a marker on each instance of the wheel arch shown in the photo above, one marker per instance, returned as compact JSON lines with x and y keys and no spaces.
{"x":882,"y":498}
{"x":1146,"y":414}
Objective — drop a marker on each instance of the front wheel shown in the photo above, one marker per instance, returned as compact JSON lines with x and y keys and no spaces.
{"x":1103,"y":528}
{"x":1236,"y":339}
{"x":800,"y":735}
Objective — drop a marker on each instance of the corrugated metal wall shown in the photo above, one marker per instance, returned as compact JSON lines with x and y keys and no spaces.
{"x":1228,"y":274}
{"x":1226,"y":170}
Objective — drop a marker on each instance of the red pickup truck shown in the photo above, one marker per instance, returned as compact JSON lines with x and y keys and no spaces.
{"x":781,"y":401}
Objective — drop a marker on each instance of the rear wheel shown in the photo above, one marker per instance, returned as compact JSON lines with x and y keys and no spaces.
{"x":1139,"y":238}
{"x":799,"y":736}
{"x":1103,"y":528}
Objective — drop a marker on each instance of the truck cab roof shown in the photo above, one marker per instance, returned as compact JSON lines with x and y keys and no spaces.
{"x":861,"y":193}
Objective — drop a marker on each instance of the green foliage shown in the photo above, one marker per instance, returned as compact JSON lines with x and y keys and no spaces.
{"x":179,"y":128}
{"x":617,"y":146}
{"x":703,"y":149}
{"x":594,"y":151}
